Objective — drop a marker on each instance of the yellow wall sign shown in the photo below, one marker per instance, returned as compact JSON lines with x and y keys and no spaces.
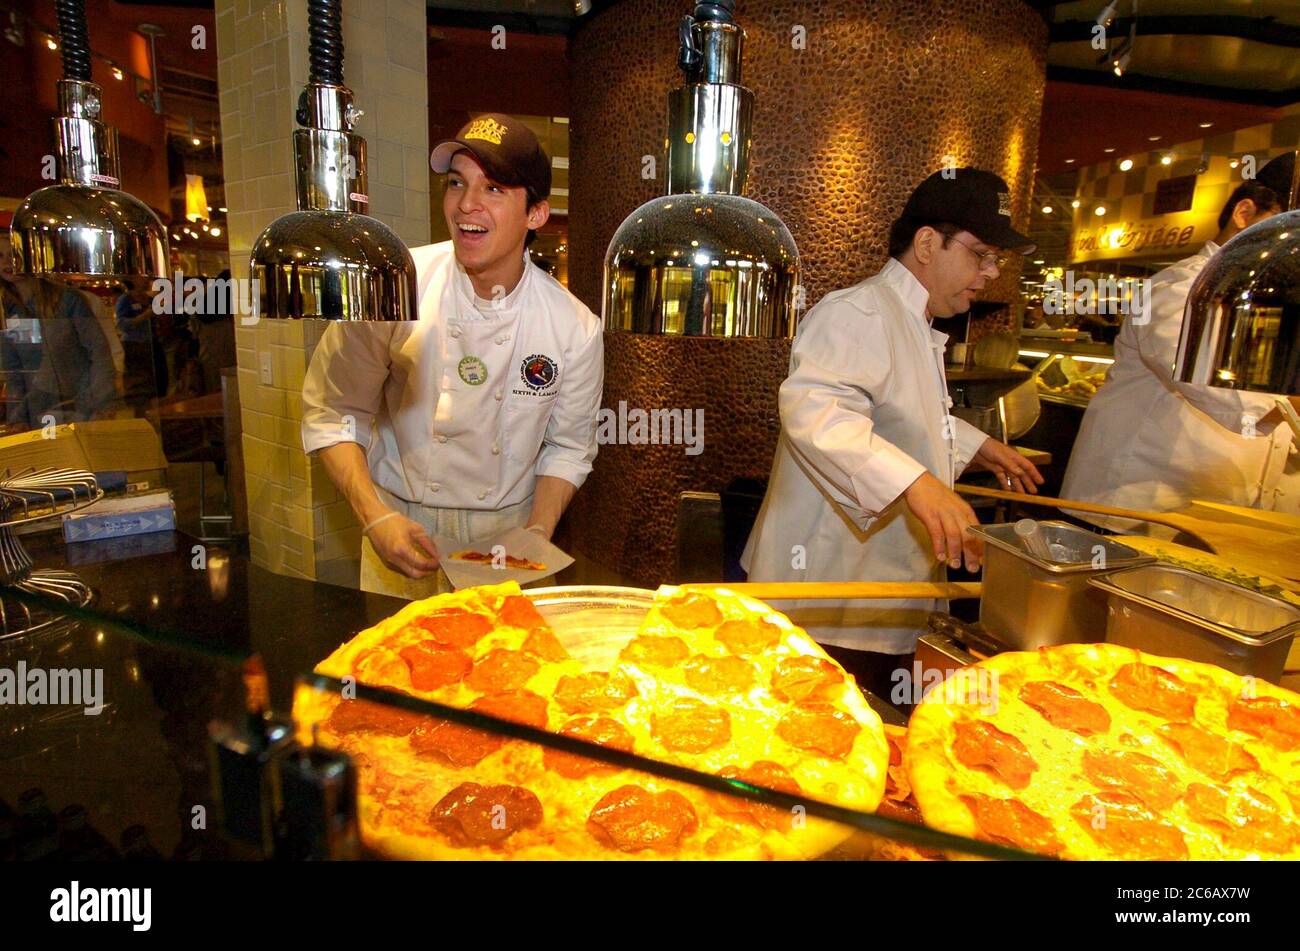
{"x":1177,"y":235}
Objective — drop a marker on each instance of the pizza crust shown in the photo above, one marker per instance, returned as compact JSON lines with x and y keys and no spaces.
{"x":397,"y":789}
{"x":939,"y":780}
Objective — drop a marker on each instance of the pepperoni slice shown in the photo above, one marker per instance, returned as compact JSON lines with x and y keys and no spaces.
{"x":485,"y":815}
{"x":900,"y":810}
{"x":433,"y":666}
{"x":691,"y":726}
{"x":801,"y":678}
{"x":380,"y":667}
{"x":819,"y":728}
{"x":600,"y":730}
{"x":1144,"y":777}
{"x":691,"y":611}
{"x":1274,"y":721}
{"x":361,"y":716}
{"x":593,"y":693}
{"x":631,"y":819}
{"x":1153,"y":690}
{"x":1122,"y":823}
{"x":518,"y":611}
{"x":1011,"y":822}
{"x":655,"y":651}
{"x":454,"y":627}
{"x":544,"y":645}
{"x":517,"y":706}
{"x":462,"y":746}
{"x":714,"y":675}
{"x":500,"y":669}
{"x":982,"y":746}
{"x":454,"y":744}
{"x":761,"y":773}
{"x":750,"y":636}
{"x":1254,"y":825}
{"x":1065,"y":707}
{"x":1212,"y":755}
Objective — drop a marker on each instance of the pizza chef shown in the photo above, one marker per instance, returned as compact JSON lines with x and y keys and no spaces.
{"x":481,"y":415}
{"x":862,"y":484}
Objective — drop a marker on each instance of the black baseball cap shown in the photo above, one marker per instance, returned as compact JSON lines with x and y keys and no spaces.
{"x":506,"y":148}
{"x":972,"y":199}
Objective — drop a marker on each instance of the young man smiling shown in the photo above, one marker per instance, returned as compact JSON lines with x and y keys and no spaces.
{"x":862,"y":485}
{"x":481,"y":415}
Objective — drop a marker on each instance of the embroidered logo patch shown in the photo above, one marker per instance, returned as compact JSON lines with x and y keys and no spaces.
{"x":1004,"y":204}
{"x":538,"y":371}
{"x":487,"y":129}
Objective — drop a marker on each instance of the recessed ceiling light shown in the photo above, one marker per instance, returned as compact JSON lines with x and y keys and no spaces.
{"x":1108,"y":151}
{"x":1153,"y":138}
{"x":1206,"y":125}
{"x":1125,"y":165}
{"x":1047,"y":209}
{"x":1166,"y":160}
{"x":1076,"y":203}
{"x":1069,"y":161}
{"x":1233,"y":164}
{"x":1099,"y":210}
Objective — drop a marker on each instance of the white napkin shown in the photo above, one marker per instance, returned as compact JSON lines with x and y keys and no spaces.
{"x":517,"y":542}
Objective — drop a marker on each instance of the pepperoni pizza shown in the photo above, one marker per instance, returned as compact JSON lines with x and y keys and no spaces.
{"x":1090,"y":751}
{"x":716,"y":682}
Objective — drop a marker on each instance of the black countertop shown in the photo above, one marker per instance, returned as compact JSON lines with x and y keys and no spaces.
{"x":167,"y":632}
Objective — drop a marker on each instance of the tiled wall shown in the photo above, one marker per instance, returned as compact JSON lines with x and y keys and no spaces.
{"x":298,"y":523}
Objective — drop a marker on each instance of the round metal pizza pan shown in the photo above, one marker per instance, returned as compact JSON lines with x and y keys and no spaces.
{"x":593,"y":622}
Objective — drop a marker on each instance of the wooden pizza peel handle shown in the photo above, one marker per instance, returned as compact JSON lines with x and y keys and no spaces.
{"x":848,"y":590}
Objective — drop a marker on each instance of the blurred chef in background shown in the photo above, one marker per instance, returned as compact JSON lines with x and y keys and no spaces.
{"x":1152,"y":443}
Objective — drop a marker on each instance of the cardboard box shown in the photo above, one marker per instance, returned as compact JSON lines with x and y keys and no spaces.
{"x":129,"y":445}
{"x":115,"y":518}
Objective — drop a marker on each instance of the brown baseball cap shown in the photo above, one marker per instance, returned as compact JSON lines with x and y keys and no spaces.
{"x":506,"y":148}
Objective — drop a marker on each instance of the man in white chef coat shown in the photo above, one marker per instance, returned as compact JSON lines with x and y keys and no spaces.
{"x":862,"y":484}
{"x":481,"y":415}
{"x":1150,"y":442}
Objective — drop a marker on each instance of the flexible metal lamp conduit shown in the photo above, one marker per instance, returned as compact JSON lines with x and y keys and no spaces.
{"x":84,"y":230}
{"x":329,"y":259}
{"x":704,"y":260}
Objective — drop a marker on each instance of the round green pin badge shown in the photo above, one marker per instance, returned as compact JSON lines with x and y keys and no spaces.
{"x":472,"y":370}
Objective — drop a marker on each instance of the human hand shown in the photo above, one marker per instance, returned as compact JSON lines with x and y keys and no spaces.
{"x":946,"y":517}
{"x":1015,"y":473}
{"x":403,"y":545}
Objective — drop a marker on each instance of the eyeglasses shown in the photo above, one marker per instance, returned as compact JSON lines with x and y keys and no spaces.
{"x":987,"y":259}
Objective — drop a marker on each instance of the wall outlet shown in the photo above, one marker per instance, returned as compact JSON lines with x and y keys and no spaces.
{"x":268,"y":371}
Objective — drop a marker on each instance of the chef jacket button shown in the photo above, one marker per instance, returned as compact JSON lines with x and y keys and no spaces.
{"x":455,"y":332}
{"x":498,"y":394}
{"x":496,"y":449}
{"x":434,"y":487}
{"x":442,"y":439}
{"x":482,"y":496}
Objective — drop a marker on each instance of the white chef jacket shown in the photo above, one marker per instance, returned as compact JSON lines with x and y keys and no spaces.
{"x":406,"y":391}
{"x":1149,"y":442}
{"x":864,"y":411}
